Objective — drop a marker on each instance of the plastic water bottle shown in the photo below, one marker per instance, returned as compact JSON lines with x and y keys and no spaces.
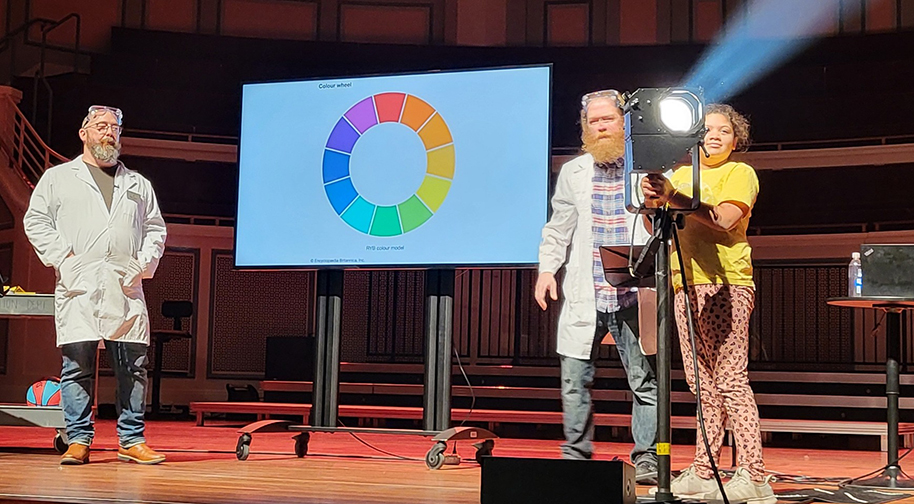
{"x":854,"y":276}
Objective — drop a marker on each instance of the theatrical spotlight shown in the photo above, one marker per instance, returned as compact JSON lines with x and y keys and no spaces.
{"x":662,"y":125}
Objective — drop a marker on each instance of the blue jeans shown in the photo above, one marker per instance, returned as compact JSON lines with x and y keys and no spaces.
{"x":128,"y":361}
{"x":577,"y":380}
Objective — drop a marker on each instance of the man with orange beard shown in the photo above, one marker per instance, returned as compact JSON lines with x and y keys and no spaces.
{"x":98,"y":225}
{"x":588,"y":210}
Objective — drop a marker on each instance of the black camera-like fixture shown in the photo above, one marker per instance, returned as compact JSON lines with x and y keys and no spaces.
{"x":662,"y":125}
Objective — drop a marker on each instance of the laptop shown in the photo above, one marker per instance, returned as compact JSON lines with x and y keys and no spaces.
{"x":888,"y":270}
{"x":617,"y":269}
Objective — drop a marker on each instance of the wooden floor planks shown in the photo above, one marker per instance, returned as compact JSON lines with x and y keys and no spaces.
{"x":202,"y":468}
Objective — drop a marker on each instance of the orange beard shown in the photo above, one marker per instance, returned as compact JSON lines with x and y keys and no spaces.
{"x":604,"y":147}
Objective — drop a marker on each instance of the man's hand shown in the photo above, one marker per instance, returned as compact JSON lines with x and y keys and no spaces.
{"x":132,"y":274}
{"x":545,"y":283}
{"x":657,"y":190}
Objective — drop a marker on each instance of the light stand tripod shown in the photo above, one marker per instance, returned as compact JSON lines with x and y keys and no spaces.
{"x":663,"y":225}
{"x":655,"y":255}
{"x":663,"y":220}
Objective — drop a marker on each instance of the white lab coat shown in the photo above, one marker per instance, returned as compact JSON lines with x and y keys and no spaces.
{"x":569,"y":235}
{"x":110,"y":249}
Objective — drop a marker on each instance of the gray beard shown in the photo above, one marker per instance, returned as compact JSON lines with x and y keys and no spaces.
{"x":105,"y":153}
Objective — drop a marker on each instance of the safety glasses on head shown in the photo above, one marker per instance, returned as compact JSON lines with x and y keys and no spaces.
{"x":608,"y":94}
{"x":97,"y":110}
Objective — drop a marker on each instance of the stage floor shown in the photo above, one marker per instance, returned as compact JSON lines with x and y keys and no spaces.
{"x":202,"y":468}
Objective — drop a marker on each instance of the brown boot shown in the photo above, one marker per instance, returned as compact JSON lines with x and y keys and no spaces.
{"x":141,"y":454}
{"x":76,"y":454}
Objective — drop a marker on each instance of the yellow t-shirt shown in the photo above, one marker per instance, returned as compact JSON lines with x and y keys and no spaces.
{"x":713,"y":256}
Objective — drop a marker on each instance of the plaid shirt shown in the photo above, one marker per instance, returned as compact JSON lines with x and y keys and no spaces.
{"x":609,"y":228}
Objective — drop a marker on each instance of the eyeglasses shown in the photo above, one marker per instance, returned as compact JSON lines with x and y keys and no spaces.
{"x":104,"y":127}
{"x":609,"y":94}
{"x":97,"y":110}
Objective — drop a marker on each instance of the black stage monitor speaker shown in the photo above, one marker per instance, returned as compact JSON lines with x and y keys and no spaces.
{"x":508,"y":480}
{"x":888,"y":270}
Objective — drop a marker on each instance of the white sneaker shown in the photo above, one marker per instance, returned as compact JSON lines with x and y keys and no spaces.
{"x":741,"y":489}
{"x":689,"y":486}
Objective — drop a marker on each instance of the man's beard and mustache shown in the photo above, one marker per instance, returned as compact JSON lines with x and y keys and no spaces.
{"x":605,"y":147}
{"x":105,"y":151}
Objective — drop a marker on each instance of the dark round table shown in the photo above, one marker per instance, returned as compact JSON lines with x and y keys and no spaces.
{"x":891,"y":475}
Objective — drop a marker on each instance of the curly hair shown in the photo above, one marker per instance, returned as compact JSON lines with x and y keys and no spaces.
{"x":739,"y":122}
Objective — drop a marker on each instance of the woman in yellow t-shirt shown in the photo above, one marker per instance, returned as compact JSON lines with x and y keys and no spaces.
{"x":718,"y":267}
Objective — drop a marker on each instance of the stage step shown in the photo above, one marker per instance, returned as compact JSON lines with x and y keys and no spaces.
{"x":496,"y":391}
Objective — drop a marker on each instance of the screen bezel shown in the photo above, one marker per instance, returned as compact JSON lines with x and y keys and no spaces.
{"x":423,"y":266}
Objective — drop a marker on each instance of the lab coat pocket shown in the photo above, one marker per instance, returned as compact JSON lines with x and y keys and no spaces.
{"x":70,"y":273}
{"x":133,"y":275}
{"x":580,"y":313}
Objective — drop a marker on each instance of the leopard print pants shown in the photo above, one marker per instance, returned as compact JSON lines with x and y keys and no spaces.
{"x":721,"y":315}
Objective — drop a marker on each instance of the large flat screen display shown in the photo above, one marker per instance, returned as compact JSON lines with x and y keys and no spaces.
{"x":408,"y":170}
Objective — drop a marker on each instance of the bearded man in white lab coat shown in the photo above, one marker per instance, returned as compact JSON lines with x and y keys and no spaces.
{"x":98,"y":225}
{"x":588,"y":210}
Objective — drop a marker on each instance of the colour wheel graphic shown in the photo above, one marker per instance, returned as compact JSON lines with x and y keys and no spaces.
{"x":388,"y":220}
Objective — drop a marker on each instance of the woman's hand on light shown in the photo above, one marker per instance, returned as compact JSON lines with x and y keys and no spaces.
{"x":657,"y":190}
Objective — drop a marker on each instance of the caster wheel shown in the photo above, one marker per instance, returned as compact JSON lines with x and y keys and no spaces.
{"x":484,"y":449}
{"x":243,"y":447}
{"x":434,"y":459}
{"x":60,"y":444}
{"x":301,"y":444}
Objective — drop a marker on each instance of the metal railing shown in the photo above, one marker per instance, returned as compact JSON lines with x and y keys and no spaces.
{"x":181,"y":136}
{"x":40,"y":73}
{"x":820,"y":228}
{"x":199,"y":220}
{"x":28,"y":154}
{"x":46,"y":27}
{"x":6,"y":41}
